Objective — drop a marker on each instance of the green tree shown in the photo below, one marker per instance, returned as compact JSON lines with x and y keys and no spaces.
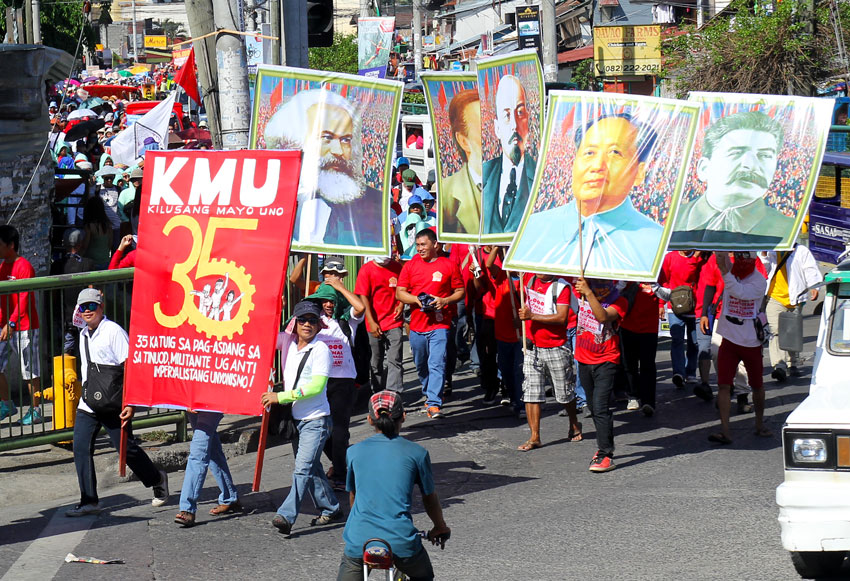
{"x":339,"y":58}
{"x":171,"y":29}
{"x":746,"y":50}
{"x":60,"y":24}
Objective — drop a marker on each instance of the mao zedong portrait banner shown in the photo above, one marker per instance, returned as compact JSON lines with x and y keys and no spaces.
{"x":345,"y":125}
{"x":214,"y":231}
{"x":511,"y":92}
{"x":455,"y":110}
{"x":617,"y":163}
{"x":753,"y":172}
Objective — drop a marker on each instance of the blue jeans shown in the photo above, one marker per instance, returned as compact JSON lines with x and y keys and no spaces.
{"x":308,"y":476}
{"x":429,"y":355}
{"x":581,"y":397}
{"x":509,"y":358}
{"x":205,"y":452}
{"x":682,"y":330}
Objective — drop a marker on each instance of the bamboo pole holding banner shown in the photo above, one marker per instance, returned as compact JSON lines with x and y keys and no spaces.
{"x":261,"y":445}
{"x":580,"y":242}
{"x":122,"y":440}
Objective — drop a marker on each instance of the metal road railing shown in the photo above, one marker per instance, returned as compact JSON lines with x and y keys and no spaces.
{"x":54,"y":348}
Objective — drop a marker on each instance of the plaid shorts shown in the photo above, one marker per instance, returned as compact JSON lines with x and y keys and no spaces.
{"x":557,"y":364}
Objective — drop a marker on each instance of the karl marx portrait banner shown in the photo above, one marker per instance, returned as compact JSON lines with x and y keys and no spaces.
{"x":753,"y":171}
{"x":614,"y":166}
{"x":345,"y":126}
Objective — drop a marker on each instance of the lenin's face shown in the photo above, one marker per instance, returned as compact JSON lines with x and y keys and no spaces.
{"x":511,"y":124}
{"x":740,"y":168}
{"x":606,"y":165}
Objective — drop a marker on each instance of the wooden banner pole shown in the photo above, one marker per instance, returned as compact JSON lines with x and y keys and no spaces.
{"x":261,"y":450}
{"x":580,"y":242}
{"x":522,"y":302}
{"x":122,"y":440}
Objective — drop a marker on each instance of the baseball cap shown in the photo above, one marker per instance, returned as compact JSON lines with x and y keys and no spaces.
{"x":137,"y":174}
{"x":425,"y":195}
{"x":408,"y":176}
{"x":203,"y":123}
{"x":414,"y":199}
{"x":73,"y":238}
{"x":434,"y":188}
{"x":402,"y":161}
{"x":53,"y":105}
{"x":306,"y":307}
{"x":334,"y":264}
{"x":90,"y":295}
{"x":386,"y":402}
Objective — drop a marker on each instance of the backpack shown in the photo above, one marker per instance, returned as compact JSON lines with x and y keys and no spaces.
{"x":683,"y":300}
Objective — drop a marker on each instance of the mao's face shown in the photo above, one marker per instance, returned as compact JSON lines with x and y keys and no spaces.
{"x":471,"y":142}
{"x":335,"y":129}
{"x":740,"y":168}
{"x":606,"y":166}
{"x":511,"y":124}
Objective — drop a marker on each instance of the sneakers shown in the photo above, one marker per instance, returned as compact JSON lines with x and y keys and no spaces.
{"x":633,"y":404}
{"x":7,"y":410}
{"x":678,"y":381}
{"x":281,"y":524}
{"x":434,"y":412}
{"x":33,"y":416}
{"x":601,"y":463}
{"x":83,"y":510}
{"x":703,"y":391}
{"x":489,"y":399}
{"x":327,"y":519}
{"x":160,"y":491}
{"x":779,"y":374}
{"x":505,"y":401}
{"x":648,"y":410}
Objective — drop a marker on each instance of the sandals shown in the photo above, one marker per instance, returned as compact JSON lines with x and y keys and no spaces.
{"x":719,"y":438}
{"x":529,"y":445}
{"x":231,"y":508}
{"x":575,"y":436}
{"x":763,"y":432}
{"x":187,"y":519}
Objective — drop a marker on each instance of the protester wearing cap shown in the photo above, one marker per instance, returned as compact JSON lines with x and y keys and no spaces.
{"x":306,"y":368}
{"x":401,"y":165}
{"x":105,"y":344}
{"x":382,"y":473}
{"x":409,"y":182}
{"x":342,"y":314}
{"x":428,"y":202}
{"x":743,"y":292}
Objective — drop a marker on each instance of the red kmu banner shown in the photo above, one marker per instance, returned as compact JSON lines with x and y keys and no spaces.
{"x":214,"y":238}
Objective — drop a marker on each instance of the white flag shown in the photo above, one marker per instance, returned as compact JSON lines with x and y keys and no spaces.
{"x":130,"y":143}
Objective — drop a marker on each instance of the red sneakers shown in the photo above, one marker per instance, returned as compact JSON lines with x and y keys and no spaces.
{"x":601,"y":463}
{"x":434,"y":412}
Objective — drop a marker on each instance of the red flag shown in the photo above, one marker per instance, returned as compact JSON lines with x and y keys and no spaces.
{"x":276,"y":97}
{"x":441,"y":96}
{"x":187,"y":78}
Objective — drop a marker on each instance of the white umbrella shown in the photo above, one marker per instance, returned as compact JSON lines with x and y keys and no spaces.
{"x":81,"y":113}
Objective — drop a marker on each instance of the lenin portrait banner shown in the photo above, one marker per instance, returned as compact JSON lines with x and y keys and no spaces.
{"x":617,"y":163}
{"x":455,"y":110}
{"x":214,"y":231}
{"x":345,"y":126}
{"x":512,"y":99}
{"x":753,"y":172}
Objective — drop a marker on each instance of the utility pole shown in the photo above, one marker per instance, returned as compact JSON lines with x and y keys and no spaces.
{"x":364,"y":8}
{"x":550,"y":41}
{"x":200,"y":16}
{"x":232,"y":77}
{"x":36,"y":21}
{"x":274,"y":24}
{"x":28,"y":20}
{"x":417,"y":37}
{"x":135,"y":35}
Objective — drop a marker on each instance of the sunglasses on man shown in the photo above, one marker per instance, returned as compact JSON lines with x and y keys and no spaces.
{"x":307,"y":320}
{"x":89,"y":307}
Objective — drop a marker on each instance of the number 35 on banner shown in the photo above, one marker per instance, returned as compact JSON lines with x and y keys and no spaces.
{"x":199,"y":256}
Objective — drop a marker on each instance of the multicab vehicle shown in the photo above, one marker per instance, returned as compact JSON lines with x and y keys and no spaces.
{"x":814,"y":500}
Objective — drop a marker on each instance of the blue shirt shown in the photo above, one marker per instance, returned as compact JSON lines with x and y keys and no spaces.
{"x":382,"y":472}
{"x":619,"y":240}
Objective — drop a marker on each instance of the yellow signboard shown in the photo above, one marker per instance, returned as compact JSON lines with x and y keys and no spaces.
{"x":626,"y":50}
{"x":155,"y":41}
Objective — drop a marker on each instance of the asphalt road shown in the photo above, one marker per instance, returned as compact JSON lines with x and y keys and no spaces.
{"x":677,"y":507}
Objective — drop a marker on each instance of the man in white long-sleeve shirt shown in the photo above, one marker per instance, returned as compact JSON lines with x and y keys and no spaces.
{"x":789,"y":276}
{"x":743,"y":292}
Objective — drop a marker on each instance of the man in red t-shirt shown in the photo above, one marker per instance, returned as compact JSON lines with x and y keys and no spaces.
{"x":376,"y":285}
{"x":547,"y":308}
{"x":19,"y":322}
{"x":598,"y":351}
{"x":431,"y":284}
{"x":639,"y":334}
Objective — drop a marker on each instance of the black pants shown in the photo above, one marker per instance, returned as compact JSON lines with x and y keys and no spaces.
{"x":451,"y":352}
{"x":86,"y":428}
{"x":598,"y":380}
{"x":341,"y":401}
{"x":485,"y":344}
{"x":639,"y":360}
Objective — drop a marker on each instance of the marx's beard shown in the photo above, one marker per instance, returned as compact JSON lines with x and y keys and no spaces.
{"x":338,"y":182}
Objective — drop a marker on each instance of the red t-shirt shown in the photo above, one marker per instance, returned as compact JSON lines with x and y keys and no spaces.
{"x":459,"y":255}
{"x":643,"y":317}
{"x":598,"y":342}
{"x":506,"y":308}
{"x":537,"y":294}
{"x":438,"y":278}
{"x":678,"y":270}
{"x":20,"y":306}
{"x":488,"y":281}
{"x":379,"y":283}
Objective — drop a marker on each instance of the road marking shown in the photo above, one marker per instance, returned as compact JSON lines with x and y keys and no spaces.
{"x":43,"y":557}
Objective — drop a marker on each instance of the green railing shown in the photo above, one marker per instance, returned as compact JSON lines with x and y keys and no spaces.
{"x":54,"y":298}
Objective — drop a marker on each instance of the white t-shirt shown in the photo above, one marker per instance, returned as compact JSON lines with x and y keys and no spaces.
{"x":341,"y":358}
{"x":109,"y":344}
{"x":742,"y":301}
{"x":318,"y":363}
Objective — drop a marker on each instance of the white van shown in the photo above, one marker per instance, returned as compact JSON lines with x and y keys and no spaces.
{"x":814,"y":500}
{"x":421,"y":158}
